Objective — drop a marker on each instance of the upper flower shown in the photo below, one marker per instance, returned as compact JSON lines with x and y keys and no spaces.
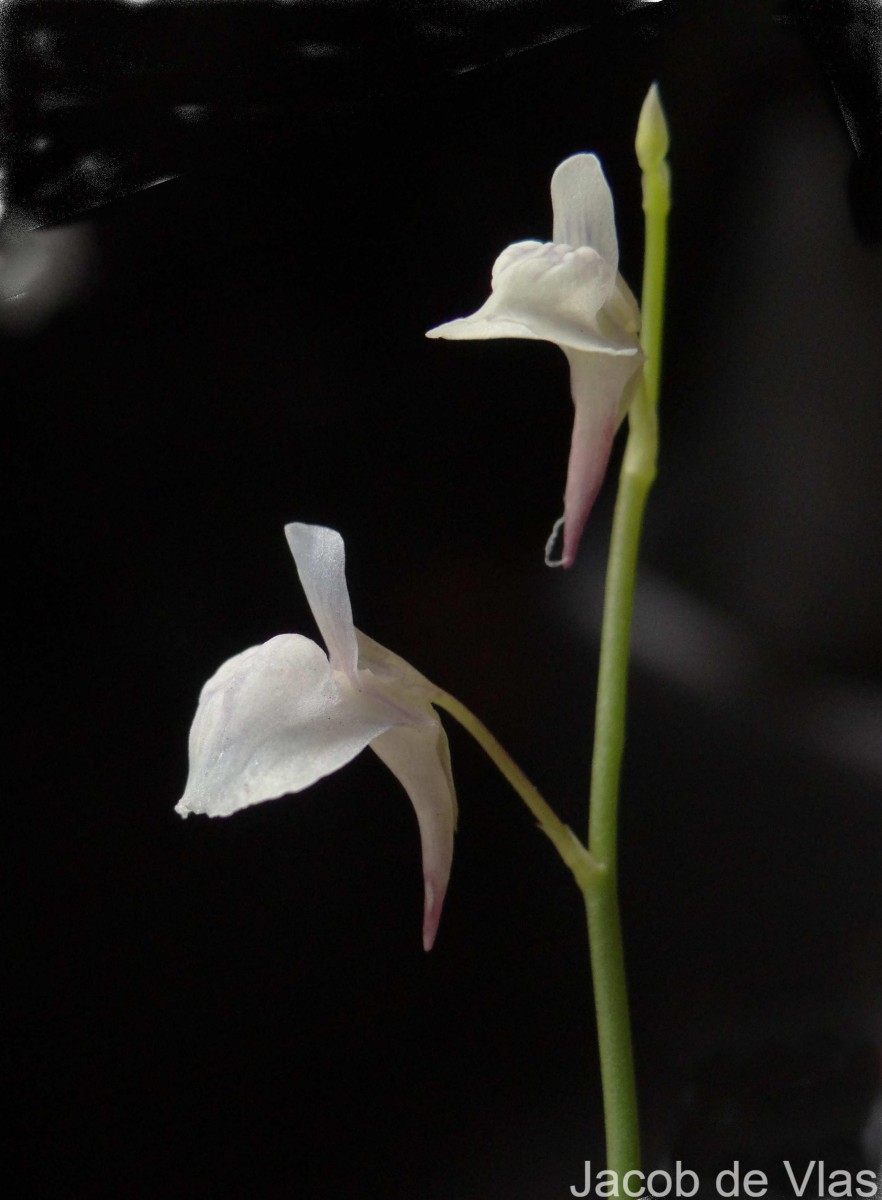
{"x":568,"y":291}
{"x":280,"y":716}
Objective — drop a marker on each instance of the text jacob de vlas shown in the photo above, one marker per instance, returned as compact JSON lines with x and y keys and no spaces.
{"x":815,"y":1180}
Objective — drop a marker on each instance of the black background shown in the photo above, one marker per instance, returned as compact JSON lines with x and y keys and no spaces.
{"x":242,"y":1007}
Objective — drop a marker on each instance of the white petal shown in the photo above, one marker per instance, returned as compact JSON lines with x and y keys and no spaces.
{"x":482,"y":326}
{"x":419,"y":757}
{"x":548,"y":292}
{"x":583,"y":207}
{"x":321,"y":565}
{"x":273,"y":720}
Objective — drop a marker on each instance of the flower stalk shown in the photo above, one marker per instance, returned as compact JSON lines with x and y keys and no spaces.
{"x":568,"y":846}
{"x":637,"y":475}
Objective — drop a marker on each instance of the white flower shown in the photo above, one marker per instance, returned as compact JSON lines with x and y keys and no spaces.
{"x":569,"y":292}
{"x":280,"y":716}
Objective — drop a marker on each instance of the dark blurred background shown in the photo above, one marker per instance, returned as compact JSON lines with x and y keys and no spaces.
{"x":242,"y":1008}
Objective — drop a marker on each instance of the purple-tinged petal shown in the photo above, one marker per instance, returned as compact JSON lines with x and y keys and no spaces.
{"x":274,"y":720}
{"x":600,"y":393}
{"x":321,"y":565}
{"x":593,"y":433}
{"x":583,"y":207}
{"x":419,"y":757}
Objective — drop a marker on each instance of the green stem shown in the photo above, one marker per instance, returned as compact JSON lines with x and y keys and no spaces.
{"x":601,"y":899}
{"x":596,"y":868}
{"x":638,"y":472}
{"x":565,"y":841}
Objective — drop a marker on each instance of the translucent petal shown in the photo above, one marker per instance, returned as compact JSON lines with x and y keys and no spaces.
{"x":419,"y":758}
{"x":321,"y":565}
{"x":273,"y":720}
{"x":392,"y":676}
{"x":583,"y":207}
{"x":547,"y":292}
{"x":623,"y":309}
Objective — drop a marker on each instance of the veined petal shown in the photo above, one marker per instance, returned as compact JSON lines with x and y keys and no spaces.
{"x":419,"y":758}
{"x":548,"y":292}
{"x":273,"y":720}
{"x":600,"y":387}
{"x":583,"y":207}
{"x":321,"y":565}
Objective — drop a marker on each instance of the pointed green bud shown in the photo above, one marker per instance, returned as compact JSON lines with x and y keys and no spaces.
{"x":652,"y":139}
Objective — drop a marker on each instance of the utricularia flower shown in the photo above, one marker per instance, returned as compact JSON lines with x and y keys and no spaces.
{"x":280,"y":716}
{"x":569,"y":291}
